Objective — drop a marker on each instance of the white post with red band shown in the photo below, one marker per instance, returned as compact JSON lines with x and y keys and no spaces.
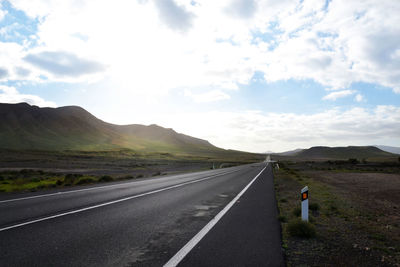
{"x":304,"y":204}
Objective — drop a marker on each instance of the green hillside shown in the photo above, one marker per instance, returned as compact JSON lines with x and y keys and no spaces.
{"x":23,"y":127}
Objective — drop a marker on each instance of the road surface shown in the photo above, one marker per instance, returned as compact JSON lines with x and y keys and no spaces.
{"x":143,"y":222}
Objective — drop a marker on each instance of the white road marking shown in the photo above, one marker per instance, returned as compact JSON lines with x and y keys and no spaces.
{"x":113,"y":202}
{"x":72,"y":191}
{"x":178,"y":257}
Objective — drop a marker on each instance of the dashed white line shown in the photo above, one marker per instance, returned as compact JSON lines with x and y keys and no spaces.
{"x":70,"y":191}
{"x":113,"y":202}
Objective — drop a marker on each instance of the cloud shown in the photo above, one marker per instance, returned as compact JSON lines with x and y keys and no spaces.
{"x":257,"y":131}
{"x":242,"y":8}
{"x":3,"y":73}
{"x":211,"y":96}
{"x":11,"y":95}
{"x":334,"y":43}
{"x":339,"y":94}
{"x":64,"y":64}
{"x":174,"y":16}
{"x":359,"y":98}
{"x":22,"y":72}
{"x":2,"y":12}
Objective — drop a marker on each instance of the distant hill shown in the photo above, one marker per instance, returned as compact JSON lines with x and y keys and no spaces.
{"x":290,"y":152}
{"x":358,"y":152}
{"x":23,"y":126}
{"x":391,"y":149}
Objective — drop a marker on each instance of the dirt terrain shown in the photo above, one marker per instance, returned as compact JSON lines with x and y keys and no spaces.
{"x":375,"y":191}
{"x":356,"y":213}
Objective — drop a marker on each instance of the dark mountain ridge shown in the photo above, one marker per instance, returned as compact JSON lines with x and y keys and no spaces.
{"x":358,"y":152}
{"x":23,"y":126}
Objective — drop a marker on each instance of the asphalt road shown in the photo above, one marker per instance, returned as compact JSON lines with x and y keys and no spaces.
{"x":136,"y":223}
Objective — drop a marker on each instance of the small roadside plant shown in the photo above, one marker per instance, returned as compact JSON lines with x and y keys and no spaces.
{"x":106,"y":178}
{"x":282,"y":218}
{"x":297,"y":212}
{"x":314,"y":206}
{"x":299,"y":228}
{"x":85,"y":180}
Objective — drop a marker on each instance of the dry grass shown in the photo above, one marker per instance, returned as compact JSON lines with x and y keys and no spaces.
{"x":350,"y":231}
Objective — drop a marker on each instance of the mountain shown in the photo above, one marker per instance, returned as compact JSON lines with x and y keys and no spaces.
{"x":358,"y":152}
{"x":390,"y":149}
{"x":23,"y":126}
{"x":290,"y":152}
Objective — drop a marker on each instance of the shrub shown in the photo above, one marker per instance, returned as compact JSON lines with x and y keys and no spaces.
{"x":301,"y":229}
{"x":282,"y":218}
{"x":106,"y":178}
{"x":86,"y":180}
{"x":59,"y":182}
{"x":1,"y":178}
{"x":26,"y":171}
{"x":314,"y":206}
{"x":353,"y":161}
{"x":139,"y":176}
{"x":73,"y":175}
{"x":35,"y":180}
{"x":332,"y":207}
{"x":157,"y":173}
{"x":283,"y":200}
{"x":297,"y":212}
{"x":70,"y":178}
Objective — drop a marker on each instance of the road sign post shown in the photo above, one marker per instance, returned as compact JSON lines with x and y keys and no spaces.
{"x":304,"y":204}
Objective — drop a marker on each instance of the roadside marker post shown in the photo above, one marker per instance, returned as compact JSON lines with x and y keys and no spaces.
{"x":304,"y":203}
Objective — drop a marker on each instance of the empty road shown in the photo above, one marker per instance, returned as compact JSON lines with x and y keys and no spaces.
{"x":142,"y":222}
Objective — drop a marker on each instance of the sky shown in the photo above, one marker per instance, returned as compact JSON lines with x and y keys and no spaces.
{"x":250,"y":75}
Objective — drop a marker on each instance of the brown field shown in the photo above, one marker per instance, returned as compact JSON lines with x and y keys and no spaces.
{"x":358,"y":215}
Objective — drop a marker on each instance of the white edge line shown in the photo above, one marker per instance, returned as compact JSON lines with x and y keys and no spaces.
{"x":112,"y":202}
{"x":178,"y":257}
{"x":74,"y":191}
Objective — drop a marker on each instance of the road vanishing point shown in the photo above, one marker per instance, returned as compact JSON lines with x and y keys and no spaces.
{"x":224,"y":217}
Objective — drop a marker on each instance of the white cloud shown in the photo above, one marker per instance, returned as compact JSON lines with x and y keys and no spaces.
{"x":338,"y":94}
{"x":335,"y":43}
{"x":2,"y":12}
{"x":359,"y":98}
{"x":174,"y":16}
{"x":11,"y":95}
{"x":259,"y":132}
{"x":211,"y":96}
{"x":63,"y":64}
{"x":242,"y":8}
{"x":3,"y":73}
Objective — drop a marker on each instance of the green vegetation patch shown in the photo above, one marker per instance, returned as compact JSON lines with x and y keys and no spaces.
{"x":299,"y":228}
{"x":33,"y":180}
